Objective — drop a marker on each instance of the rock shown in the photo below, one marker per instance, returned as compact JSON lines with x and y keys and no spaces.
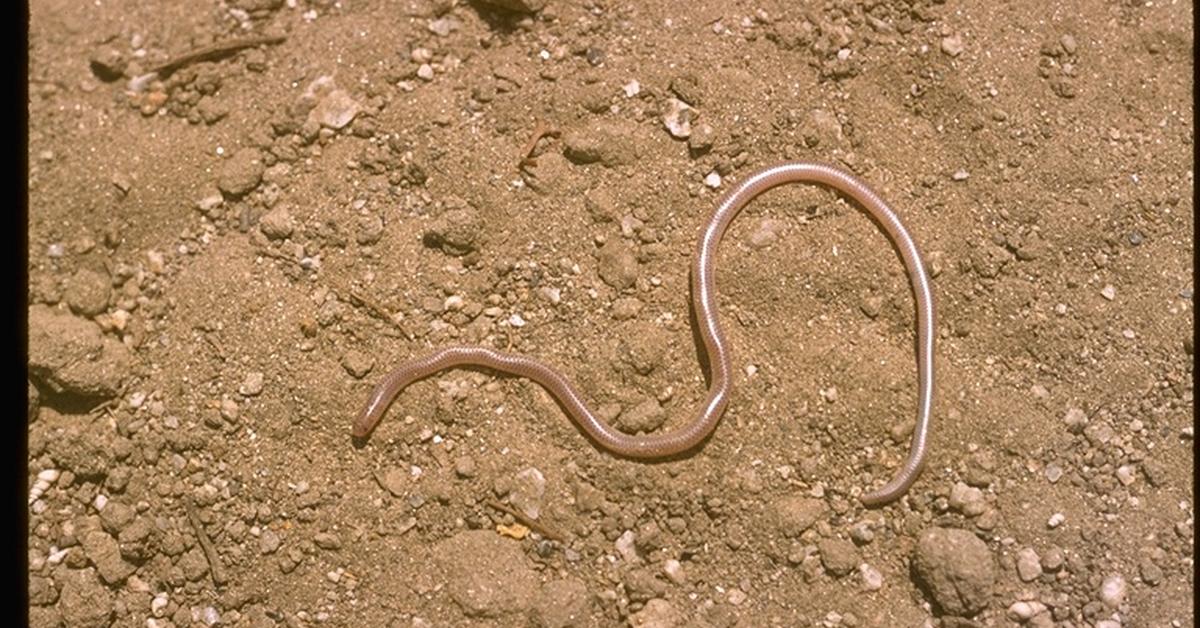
{"x":657,"y":613}
{"x":269,"y":541}
{"x":457,"y":231}
{"x":795,"y":514}
{"x":139,"y":540}
{"x":211,"y":109}
{"x":956,"y":568}
{"x":87,"y":292}
{"x":241,"y":173}
{"x":872,"y":580}
{"x":645,"y":417}
{"x":952,"y":45}
{"x":252,"y":384}
{"x":677,"y":118}
{"x":967,"y":500}
{"x":839,"y":557}
{"x":674,"y":571}
{"x":84,"y":602}
{"x":277,"y":224}
{"x":687,"y":88}
{"x":70,"y":355}
{"x":1029,"y":565}
{"x":767,"y":233}
{"x":626,"y":546}
{"x":562,"y":604}
{"x":529,"y":488}
{"x":394,"y":480}
{"x":609,"y":143}
{"x":465,"y":467}
{"x":486,"y":575}
{"x":335,"y":110}
{"x":104,"y":552}
{"x":617,"y":265}
{"x":108,"y":64}
{"x":1024,"y":611}
{"x":518,"y":6}
{"x":1112,"y":591}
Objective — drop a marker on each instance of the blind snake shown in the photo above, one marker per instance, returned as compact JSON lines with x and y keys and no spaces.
{"x":704,"y":301}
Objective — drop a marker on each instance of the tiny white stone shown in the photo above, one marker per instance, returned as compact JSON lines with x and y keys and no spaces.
{"x":1109,"y":292}
{"x":1112,"y":591}
{"x":453,"y":303}
{"x":1056,"y":520}
{"x":872,"y":579}
{"x":713,"y":180}
{"x":159,"y":604}
{"x":100,"y":502}
{"x":632,"y":88}
{"x":516,"y":321}
{"x":674,"y":571}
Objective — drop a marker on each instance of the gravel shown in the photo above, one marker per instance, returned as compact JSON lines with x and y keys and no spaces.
{"x":87,"y":292}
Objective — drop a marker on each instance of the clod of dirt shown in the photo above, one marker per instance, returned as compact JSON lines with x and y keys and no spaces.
{"x":956,"y":568}
{"x":795,"y":514}
{"x":70,"y":355}
{"x":241,"y":173}
{"x":618,"y":266}
{"x":84,"y":602}
{"x":839,"y":557}
{"x":277,"y":224}
{"x":87,"y":292}
{"x":646,"y":416}
{"x":487,"y":576}
{"x":611,"y":144}
{"x":658,"y":613}
{"x":456,"y":232}
{"x":104,"y":552}
{"x":561,"y":603}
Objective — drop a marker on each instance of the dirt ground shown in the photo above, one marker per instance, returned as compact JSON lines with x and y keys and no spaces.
{"x":228,"y":251}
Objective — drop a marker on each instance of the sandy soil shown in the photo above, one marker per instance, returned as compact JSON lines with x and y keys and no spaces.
{"x":228,"y":252}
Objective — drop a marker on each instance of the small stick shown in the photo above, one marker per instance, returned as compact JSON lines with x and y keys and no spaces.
{"x":214,"y":51}
{"x":527,"y":522}
{"x":376,"y":310}
{"x":540,"y":130}
{"x":210,"y":552}
{"x":203,"y":53}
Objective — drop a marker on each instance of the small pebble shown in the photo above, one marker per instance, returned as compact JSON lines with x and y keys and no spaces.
{"x":252,"y":385}
{"x":1109,"y":292}
{"x":1056,"y":520}
{"x":1112,"y":591}
{"x":1029,"y":565}
{"x":872,"y":579}
{"x":713,"y":180}
{"x":952,"y":45}
{"x":960,"y":175}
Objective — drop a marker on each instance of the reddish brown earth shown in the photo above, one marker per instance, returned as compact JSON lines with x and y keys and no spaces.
{"x":223,"y":263}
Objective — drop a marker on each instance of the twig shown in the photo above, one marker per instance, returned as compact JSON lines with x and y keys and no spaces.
{"x":540,"y":130}
{"x":203,"y":53}
{"x":214,"y":51}
{"x":210,"y":552}
{"x":540,"y":528}
{"x":375,"y":309}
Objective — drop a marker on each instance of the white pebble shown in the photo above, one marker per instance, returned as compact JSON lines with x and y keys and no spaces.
{"x":632,"y":88}
{"x":1109,"y":292}
{"x":625,"y":547}
{"x":425,"y":72}
{"x":674,"y":571}
{"x":1022,"y":611}
{"x":736,"y":597}
{"x":1056,"y":520}
{"x":158,"y":605}
{"x":100,"y":502}
{"x":453,"y":303}
{"x":751,"y":370}
{"x":713,"y":180}
{"x":1112,"y":592}
{"x":516,"y":321}
{"x":872,"y":579}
